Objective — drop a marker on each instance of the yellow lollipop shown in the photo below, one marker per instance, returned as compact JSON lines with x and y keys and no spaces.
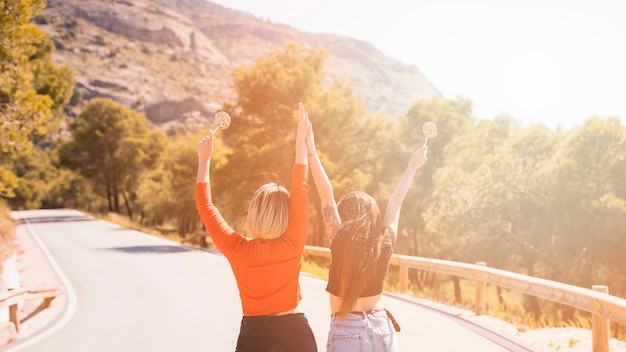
{"x":430,"y":130}
{"x":222,"y":120}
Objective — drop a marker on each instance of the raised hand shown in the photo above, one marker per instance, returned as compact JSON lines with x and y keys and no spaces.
{"x":419,"y":158}
{"x":303,"y":124}
{"x":301,"y":155}
{"x":205,"y":147}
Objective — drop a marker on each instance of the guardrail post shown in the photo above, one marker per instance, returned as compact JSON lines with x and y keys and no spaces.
{"x":47,"y":302}
{"x":404,"y":278}
{"x":600,"y":328}
{"x":14,"y":316}
{"x":481,"y":295}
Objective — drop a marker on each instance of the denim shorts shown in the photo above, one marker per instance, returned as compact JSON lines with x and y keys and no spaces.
{"x":362,"y":331}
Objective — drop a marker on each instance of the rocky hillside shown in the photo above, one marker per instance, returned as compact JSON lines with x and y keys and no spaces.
{"x":168,"y":58}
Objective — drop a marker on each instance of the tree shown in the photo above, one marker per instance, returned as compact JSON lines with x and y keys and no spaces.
{"x":491,"y":200}
{"x":7,"y":232}
{"x":591,"y":200}
{"x":527,"y":199}
{"x":263,"y":122}
{"x":453,"y":121}
{"x":112,"y":146}
{"x":262,"y":132}
{"x":166,"y":192}
{"x":32,"y":89}
{"x":354,"y":147}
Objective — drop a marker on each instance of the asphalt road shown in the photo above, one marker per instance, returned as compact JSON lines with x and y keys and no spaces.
{"x":133,"y":292}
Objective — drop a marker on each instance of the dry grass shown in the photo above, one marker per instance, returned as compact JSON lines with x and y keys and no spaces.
{"x":7,"y":232}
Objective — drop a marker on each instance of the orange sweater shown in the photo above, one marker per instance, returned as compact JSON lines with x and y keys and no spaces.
{"x":266,"y":270}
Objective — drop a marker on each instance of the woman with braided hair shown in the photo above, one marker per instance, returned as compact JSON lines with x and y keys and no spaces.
{"x":361,"y":245}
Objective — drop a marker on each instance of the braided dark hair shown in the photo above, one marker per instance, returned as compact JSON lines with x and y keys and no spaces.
{"x":362,"y":229}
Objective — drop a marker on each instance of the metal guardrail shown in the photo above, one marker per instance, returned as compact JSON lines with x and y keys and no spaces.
{"x":597,"y":301}
{"x":13,"y":298}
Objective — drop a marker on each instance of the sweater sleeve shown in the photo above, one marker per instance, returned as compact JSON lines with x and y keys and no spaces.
{"x":298,"y":227}
{"x":224,"y":237}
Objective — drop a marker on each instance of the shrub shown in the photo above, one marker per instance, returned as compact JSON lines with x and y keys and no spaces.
{"x":7,"y":232}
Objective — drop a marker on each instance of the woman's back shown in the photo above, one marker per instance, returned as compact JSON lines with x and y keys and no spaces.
{"x":266,"y":270}
{"x":267,"y":267}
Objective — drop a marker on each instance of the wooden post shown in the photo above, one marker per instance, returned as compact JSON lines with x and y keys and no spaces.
{"x":600,"y":328}
{"x":404,"y":278}
{"x":47,"y":301}
{"x":481,"y":295}
{"x":14,"y":316}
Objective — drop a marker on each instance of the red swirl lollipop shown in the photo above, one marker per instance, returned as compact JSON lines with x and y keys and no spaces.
{"x":430,"y":130}
{"x":222,"y":120}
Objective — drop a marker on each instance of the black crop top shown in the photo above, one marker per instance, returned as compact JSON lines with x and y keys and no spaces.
{"x":376,"y":280}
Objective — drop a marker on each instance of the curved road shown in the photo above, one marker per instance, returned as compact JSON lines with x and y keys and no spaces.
{"x":129,"y":291}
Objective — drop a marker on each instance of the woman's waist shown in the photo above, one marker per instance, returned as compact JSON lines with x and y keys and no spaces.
{"x":290,"y":311}
{"x":362,"y":304}
{"x":276,"y":314}
{"x":287,"y":317}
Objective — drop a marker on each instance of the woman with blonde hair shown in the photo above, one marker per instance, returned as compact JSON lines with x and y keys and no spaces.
{"x":266,"y":265}
{"x":361,"y":245}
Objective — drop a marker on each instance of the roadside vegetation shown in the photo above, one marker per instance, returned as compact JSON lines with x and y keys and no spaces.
{"x":527,"y":199}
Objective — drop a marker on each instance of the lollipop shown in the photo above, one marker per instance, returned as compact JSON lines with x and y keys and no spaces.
{"x":430,"y":130}
{"x":222,"y":120}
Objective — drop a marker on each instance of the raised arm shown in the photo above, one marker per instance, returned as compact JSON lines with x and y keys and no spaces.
{"x":332,"y":220}
{"x":301,"y":132}
{"x":225,"y":238}
{"x":205,"y":150}
{"x":298,"y":226}
{"x":392,"y":213}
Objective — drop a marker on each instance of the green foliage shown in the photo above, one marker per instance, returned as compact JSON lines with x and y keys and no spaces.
{"x":590,"y":200}
{"x":452,"y":119}
{"x":8,"y":183}
{"x":350,"y":143}
{"x":264,"y":118}
{"x":533,"y":201}
{"x":491,"y":194}
{"x":263,"y":130}
{"x":55,"y":82}
{"x":7,"y":232}
{"x":34,"y":171}
{"x":268,"y":89}
{"x":166,"y":193}
{"x":264,"y":122}
{"x":112,"y":146}
{"x":42,"y":184}
{"x":32,"y":89}
{"x":353,"y":146}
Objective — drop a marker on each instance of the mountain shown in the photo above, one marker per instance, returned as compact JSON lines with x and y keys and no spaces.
{"x":168,"y":58}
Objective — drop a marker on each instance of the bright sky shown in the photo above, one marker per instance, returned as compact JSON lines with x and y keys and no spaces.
{"x":555,"y":62}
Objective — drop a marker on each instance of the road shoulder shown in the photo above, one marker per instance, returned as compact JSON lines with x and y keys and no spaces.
{"x":35,"y":272}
